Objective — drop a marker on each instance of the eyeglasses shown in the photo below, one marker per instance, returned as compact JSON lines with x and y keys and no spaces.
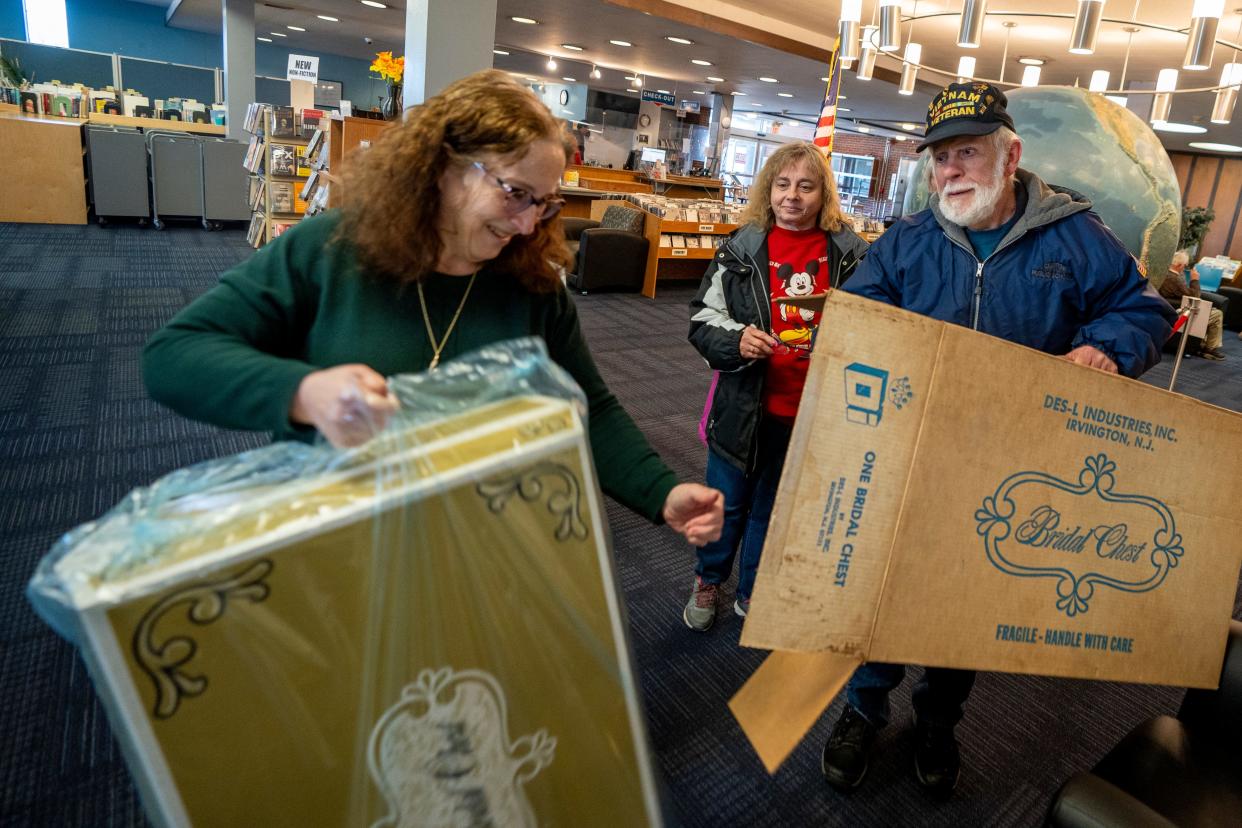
{"x":518,"y":200}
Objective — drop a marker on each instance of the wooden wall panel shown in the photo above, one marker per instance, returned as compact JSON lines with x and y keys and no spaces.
{"x":1225,"y":202}
{"x":1181,"y":166}
{"x":1203,"y":173}
{"x":1214,"y":181}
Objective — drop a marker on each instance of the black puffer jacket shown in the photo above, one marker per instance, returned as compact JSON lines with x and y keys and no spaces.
{"x":735,"y":294}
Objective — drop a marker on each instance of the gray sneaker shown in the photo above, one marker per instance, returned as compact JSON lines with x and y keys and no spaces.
{"x":700,"y":611}
{"x":741,"y":606}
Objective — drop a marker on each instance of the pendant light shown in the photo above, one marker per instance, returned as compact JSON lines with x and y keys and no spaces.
{"x":866,"y":63}
{"x":1162,"y":101}
{"x":1230,"y":77}
{"x":851,"y":20}
{"x":965,"y":68}
{"x":1099,"y":81}
{"x":909,"y":69}
{"x":1201,"y":39}
{"x":1086,"y":26}
{"x":890,"y":22}
{"x":970,"y":31}
{"x":1030,"y":75}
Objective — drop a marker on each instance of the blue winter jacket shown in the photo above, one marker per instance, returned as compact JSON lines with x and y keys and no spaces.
{"x":1059,"y":279}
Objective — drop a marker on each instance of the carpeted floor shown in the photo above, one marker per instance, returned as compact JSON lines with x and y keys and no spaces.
{"x":77,"y":433}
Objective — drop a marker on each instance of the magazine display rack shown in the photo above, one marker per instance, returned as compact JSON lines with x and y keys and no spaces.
{"x":279,"y":160}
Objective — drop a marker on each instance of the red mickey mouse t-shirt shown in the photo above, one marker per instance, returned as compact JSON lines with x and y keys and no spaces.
{"x":797,"y":266}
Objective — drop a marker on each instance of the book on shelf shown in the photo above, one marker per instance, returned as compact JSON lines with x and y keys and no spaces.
{"x":311,"y":182}
{"x":665,"y":240}
{"x":144,"y":112}
{"x":256,"y":193}
{"x":303,"y":166}
{"x":282,"y":196}
{"x":282,"y":122}
{"x":256,"y":115}
{"x":258,"y":228}
{"x":219,"y":114}
{"x":311,"y":119}
{"x":284,"y":160}
{"x":129,"y":103}
{"x":32,"y":103}
{"x":314,"y":143}
{"x":279,"y":227}
{"x":254,"y":155}
{"x":692,"y":241}
{"x":678,"y":240}
{"x":299,"y":204}
{"x":199,"y":116}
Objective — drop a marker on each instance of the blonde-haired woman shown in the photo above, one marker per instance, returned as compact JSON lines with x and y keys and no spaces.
{"x":449,"y":240}
{"x":794,"y":241}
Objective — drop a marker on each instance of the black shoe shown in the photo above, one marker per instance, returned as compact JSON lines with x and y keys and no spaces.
{"x":937,"y":761}
{"x":845,"y":755}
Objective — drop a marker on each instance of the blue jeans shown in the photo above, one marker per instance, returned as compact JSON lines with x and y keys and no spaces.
{"x":937,"y":698}
{"x":748,"y":507}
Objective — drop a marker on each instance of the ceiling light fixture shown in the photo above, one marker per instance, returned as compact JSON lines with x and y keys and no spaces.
{"x":909,"y":68}
{"x":551,"y":64}
{"x":738,"y":94}
{"x":698,"y":92}
{"x":844,"y":109}
{"x":1030,"y":75}
{"x":1186,"y":129}
{"x":1086,"y":27}
{"x":570,"y":80}
{"x":1201,"y":38}
{"x":595,"y":73}
{"x":908,"y":127}
{"x":899,"y":137}
{"x":965,"y":68}
{"x":848,"y":27}
{"x":664,"y":92}
{"x":296,"y":28}
{"x":638,"y":81}
{"x":620,"y":43}
{"x":864,"y":129}
{"x":373,"y":4}
{"x":866,"y":60}
{"x":1162,"y":101}
{"x":682,"y":40}
{"x":1026,"y":60}
{"x":265,"y":39}
{"x":278,"y":34}
{"x":1214,"y":147}
{"x":715,"y":79}
{"x":786,"y":95}
{"x":701,"y":62}
{"x":328,"y":18}
{"x":1230,"y":77}
{"x":1099,"y":81}
{"x":571,"y":47}
{"x":499,"y":52}
{"x":890,"y":21}
{"x":970,"y":30}
{"x":529,"y":21}
{"x":769,"y":80}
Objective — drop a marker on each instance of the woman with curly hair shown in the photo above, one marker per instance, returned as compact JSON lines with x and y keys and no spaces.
{"x":449,"y":239}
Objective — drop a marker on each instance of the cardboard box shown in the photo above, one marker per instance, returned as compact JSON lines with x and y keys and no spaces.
{"x":433,"y":638}
{"x":951,"y":499}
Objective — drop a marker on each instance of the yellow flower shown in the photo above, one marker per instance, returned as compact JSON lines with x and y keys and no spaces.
{"x":388,"y":68}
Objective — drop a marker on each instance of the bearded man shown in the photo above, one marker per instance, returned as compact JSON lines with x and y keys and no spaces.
{"x":1003,"y":253}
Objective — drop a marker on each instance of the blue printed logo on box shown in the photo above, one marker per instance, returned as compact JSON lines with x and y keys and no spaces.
{"x":1030,"y":531}
{"x":864,"y":393}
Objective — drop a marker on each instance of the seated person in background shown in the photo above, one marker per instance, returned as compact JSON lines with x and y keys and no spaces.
{"x":1174,"y":287}
{"x":1006,"y":254}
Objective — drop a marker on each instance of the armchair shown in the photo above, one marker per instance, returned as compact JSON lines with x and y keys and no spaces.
{"x":1184,"y":771}
{"x":611,"y":255}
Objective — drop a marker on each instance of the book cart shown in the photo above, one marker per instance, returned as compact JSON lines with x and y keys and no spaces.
{"x":669,"y":252}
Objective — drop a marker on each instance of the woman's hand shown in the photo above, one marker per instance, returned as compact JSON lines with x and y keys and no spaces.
{"x":695,"y":511}
{"x":755,"y":344}
{"x":349,"y":404}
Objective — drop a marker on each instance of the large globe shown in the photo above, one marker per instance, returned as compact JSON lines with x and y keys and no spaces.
{"x":1084,"y":141}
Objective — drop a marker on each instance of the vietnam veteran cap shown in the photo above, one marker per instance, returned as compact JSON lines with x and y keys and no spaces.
{"x":974,"y":108}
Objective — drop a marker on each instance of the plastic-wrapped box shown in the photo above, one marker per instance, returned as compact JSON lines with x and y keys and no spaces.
{"x":422,"y":631}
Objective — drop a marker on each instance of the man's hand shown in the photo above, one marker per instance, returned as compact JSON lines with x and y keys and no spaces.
{"x":755,"y":344}
{"x":695,"y":511}
{"x":1092,"y":358}
{"x":349,"y":404}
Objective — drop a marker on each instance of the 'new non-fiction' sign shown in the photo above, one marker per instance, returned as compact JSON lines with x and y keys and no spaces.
{"x":303,"y":68}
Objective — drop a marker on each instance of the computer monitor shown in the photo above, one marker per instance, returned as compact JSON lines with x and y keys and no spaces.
{"x":650,"y":154}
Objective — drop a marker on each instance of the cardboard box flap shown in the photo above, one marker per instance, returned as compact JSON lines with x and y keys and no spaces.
{"x":826,"y":554}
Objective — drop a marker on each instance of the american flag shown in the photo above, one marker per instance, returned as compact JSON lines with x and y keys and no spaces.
{"x":827,"y":124}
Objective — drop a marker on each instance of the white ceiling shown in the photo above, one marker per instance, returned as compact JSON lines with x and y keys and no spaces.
{"x":666,"y":65}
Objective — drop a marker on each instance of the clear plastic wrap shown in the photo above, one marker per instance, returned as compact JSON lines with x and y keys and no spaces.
{"x":423,"y":630}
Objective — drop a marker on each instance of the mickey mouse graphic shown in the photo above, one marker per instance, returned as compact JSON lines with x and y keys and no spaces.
{"x":796,"y":284}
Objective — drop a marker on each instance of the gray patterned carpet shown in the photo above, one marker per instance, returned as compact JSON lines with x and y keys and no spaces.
{"x":77,"y":433}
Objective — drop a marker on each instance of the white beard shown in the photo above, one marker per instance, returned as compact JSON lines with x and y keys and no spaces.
{"x":981,"y":204}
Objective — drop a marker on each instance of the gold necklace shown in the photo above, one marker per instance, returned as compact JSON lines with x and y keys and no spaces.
{"x":422,"y":301}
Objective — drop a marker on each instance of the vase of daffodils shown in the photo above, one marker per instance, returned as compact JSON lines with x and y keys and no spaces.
{"x":391,"y":70}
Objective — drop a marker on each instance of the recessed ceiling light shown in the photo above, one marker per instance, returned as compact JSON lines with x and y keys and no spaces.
{"x":278,"y":34}
{"x":698,"y":92}
{"x":265,"y":39}
{"x":738,"y":94}
{"x":825,"y":80}
{"x":899,"y":137}
{"x":551,"y":65}
{"x":571,"y":47}
{"x":1032,"y":61}
{"x":529,"y":21}
{"x":373,"y":4}
{"x":532,"y":80}
{"x":683,"y":41}
{"x":570,"y":80}
{"x":700,"y":62}
{"x":844,"y":109}
{"x":664,"y":92}
{"x":620,"y":43}
{"x":499,"y":52}
{"x":328,"y":18}
{"x":631,"y":77}
{"x":785,"y":94}
{"x":296,"y":28}
{"x":1172,"y":126}
{"x":769,"y":80}
{"x":1209,"y":145}
{"x":755,"y":103}
{"x":714,"y":79}
{"x":864,"y":129}
{"x":907,"y":127}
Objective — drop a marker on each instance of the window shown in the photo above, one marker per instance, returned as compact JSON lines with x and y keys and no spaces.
{"x":853,"y":174}
{"x":46,"y":22}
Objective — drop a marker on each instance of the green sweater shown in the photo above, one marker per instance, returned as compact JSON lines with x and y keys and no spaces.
{"x":236,"y":355}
